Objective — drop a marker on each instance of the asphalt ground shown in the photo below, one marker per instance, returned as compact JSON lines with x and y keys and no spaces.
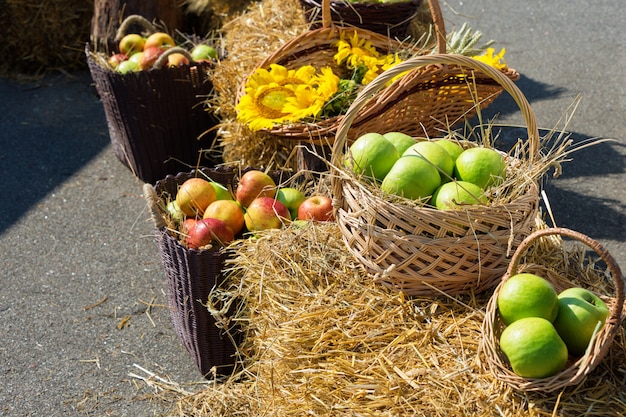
{"x":82,"y":294}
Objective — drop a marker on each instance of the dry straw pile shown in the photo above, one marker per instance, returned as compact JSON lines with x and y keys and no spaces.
{"x":40,"y":36}
{"x":323,"y":340}
{"x":248,"y":39}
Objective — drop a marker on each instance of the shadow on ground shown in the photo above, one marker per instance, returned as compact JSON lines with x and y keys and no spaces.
{"x":49,"y":130}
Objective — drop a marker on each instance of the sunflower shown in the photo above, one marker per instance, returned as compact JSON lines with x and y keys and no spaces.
{"x":309,"y":99}
{"x":279,"y":95}
{"x":355,"y":52}
{"x":496,"y":61}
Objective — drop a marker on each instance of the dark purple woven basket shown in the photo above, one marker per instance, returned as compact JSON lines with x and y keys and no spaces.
{"x":192,"y":274}
{"x":389,"y":19}
{"x":156,"y":120}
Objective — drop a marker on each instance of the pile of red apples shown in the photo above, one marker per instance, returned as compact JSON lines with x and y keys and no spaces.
{"x":208,"y":214}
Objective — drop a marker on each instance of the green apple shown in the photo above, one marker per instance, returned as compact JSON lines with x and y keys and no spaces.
{"x":527,"y":295}
{"x":400,"y":140}
{"x":436,"y":155}
{"x":221,"y":192}
{"x":455,"y":194}
{"x":481,"y":166}
{"x":291,"y":198}
{"x":175,"y":212}
{"x":372,"y":155}
{"x":412,"y":177}
{"x":453,"y":148}
{"x":580,"y":311}
{"x":203,"y":52}
{"x":127,"y":66}
{"x":534,"y":348}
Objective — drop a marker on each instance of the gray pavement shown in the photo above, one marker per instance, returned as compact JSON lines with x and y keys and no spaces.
{"x":78,"y":257}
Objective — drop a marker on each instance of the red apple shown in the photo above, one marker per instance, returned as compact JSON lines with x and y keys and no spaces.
{"x":254,"y":184}
{"x":149,"y":57}
{"x":317,"y":207}
{"x":194,"y":196}
{"x":266,"y":213}
{"x":187,"y":225}
{"x":159,"y":40}
{"x":209,"y":231}
{"x":115,"y":60}
{"x":176,"y":60}
{"x":229,"y":211}
{"x":131,"y":44}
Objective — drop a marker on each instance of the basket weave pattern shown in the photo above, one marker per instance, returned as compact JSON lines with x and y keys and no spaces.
{"x":576,"y":368}
{"x":421,"y":250}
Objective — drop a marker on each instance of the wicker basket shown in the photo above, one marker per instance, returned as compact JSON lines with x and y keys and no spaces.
{"x":423,"y":104}
{"x":389,"y":19}
{"x":422,"y":250}
{"x":192,"y":274}
{"x":577,"y":367}
{"x":157,"y":123}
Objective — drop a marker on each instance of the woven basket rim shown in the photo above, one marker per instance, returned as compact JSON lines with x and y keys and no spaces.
{"x":576,"y":371}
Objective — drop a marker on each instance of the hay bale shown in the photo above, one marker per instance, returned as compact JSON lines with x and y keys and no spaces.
{"x":249,"y":38}
{"x":324,"y":340}
{"x":41,"y":36}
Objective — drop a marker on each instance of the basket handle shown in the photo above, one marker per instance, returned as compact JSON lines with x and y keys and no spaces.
{"x":435,"y":11}
{"x":612,"y":265}
{"x":130,"y":20}
{"x":417,"y":62}
{"x":162,"y":59}
{"x":152,"y":200}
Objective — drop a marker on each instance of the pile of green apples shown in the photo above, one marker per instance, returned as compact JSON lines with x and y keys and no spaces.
{"x":544,"y":328}
{"x":439,"y":172}
{"x":209,"y":214}
{"x":139,"y":53}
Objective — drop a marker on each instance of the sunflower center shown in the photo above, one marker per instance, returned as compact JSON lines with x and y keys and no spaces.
{"x":272,"y":101}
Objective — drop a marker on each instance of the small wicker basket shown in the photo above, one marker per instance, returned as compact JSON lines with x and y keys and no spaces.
{"x":389,"y":19}
{"x":422,"y":250}
{"x":156,"y":121}
{"x":577,"y":367}
{"x":423,"y":104}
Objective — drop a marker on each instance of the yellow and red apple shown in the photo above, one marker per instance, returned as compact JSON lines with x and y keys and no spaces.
{"x":229,"y":211}
{"x":266,"y":213}
{"x":194,"y":196}
{"x":254,"y":184}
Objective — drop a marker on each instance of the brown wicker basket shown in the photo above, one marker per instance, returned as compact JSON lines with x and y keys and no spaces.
{"x":577,"y":367}
{"x":156,"y":121}
{"x":423,"y":104}
{"x":389,"y":19}
{"x":422,"y":250}
{"x":192,"y":274}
